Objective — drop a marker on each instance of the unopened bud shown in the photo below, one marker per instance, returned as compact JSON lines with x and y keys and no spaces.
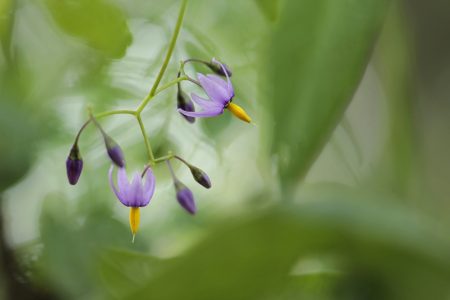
{"x":185,"y":197}
{"x":74,"y":165}
{"x":185,"y":103}
{"x":219,"y":68}
{"x":200,"y":176}
{"x":114,"y":151}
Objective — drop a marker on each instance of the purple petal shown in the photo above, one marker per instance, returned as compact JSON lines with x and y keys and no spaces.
{"x":119,"y":193}
{"x":204,"y":103}
{"x":135,"y":193}
{"x":122,"y":180}
{"x":215,"y":91}
{"x":149,"y":186}
{"x":218,"y":80}
{"x":225,"y":84}
{"x":227,"y":73}
{"x":203,"y":114}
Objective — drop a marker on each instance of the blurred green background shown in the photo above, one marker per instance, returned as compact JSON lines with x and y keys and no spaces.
{"x":338,"y":191}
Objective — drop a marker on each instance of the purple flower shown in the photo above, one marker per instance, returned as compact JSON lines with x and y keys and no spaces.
{"x":135,"y":193}
{"x":220,"y":93}
{"x":185,"y":197}
{"x":74,"y":165}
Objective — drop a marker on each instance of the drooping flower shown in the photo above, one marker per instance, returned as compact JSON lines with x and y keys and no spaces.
{"x":220,"y":93}
{"x":74,"y":165}
{"x":134,"y":194}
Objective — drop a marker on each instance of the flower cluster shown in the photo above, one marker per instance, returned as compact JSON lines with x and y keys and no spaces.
{"x":138,"y":191}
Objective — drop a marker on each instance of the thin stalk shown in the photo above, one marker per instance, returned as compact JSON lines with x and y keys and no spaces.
{"x":167,"y":57}
{"x":164,"y":158}
{"x":146,"y":140}
{"x":115,"y":112}
{"x":81,"y":130}
{"x":169,"y":84}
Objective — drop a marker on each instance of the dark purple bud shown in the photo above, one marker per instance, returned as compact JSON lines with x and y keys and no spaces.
{"x":74,"y":165}
{"x":185,"y":197}
{"x":219,"y":68}
{"x":114,"y":151}
{"x":200,"y":176}
{"x":185,"y":103}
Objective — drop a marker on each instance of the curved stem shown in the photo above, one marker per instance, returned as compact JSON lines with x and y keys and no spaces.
{"x":146,"y":140}
{"x":181,"y":71}
{"x":115,"y":112}
{"x":169,"y":84}
{"x":81,"y":130}
{"x":182,"y":160}
{"x":167,"y":57}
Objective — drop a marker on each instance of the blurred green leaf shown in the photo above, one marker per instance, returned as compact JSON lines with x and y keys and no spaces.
{"x":100,"y":24}
{"x":269,"y":8}
{"x":385,"y":252}
{"x":123,"y":272}
{"x":317,"y":58}
{"x":20,"y":129}
{"x":398,"y":168}
{"x":6,"y":18}
{"x":75,"y":252}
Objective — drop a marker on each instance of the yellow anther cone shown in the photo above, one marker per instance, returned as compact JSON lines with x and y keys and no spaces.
{"x":239,"y":112}
{"x":134,"y":220}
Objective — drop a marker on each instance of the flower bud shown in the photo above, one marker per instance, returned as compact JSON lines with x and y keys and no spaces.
{"x":185,"y":197}
{"x":200,"y":176}
{"x":219,"y":68}
{"x":114,"y":151}
{"x":74,"y":165}
{"x":185,"y":103}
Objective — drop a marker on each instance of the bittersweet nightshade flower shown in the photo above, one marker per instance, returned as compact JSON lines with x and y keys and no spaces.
{"x":134,"y":194}
{"x":220,"y":93}
{"x":219,"y":68}
{"x":185,"y":197}
{"x":74,"y":165}
{"x":200,"y":176}
{"x":114,"y":151}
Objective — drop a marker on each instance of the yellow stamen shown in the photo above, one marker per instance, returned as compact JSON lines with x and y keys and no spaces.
{"x":134,"y":220}
{"x":239,"y":112}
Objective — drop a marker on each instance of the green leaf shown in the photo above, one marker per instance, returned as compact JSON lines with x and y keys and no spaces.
{"x":376,"y":248}
{"x":124,"y":271}
{"x":269,"y":8}
{"x":317,"y":58}
{"x":100,"y":24}
{"x":6,"y":20}
{"x":398,"y":167}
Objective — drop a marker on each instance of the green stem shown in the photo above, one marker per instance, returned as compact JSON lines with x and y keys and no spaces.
{"x":164,"y":158}
{"x":146,"y":140}
{"x":115,"y":112}
{"x":169,"y":84}
{"x":167,"y":58}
